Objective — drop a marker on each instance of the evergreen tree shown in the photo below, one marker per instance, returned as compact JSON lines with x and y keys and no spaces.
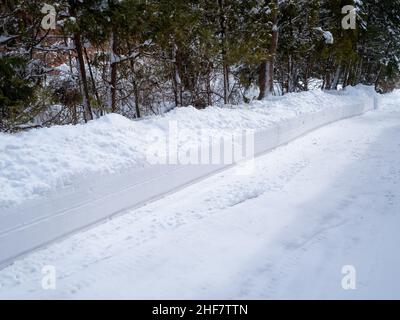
{"x":141,"y":57}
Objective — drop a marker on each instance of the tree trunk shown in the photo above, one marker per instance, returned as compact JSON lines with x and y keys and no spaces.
{"x":99,"y":104}
{"x":71,"y":70}
{"x":262,"y":79}
{"x":336,"y":79}
{"x":82,"y":72}
{"x":378,"y":77}
{"x":290,"y":75}
{"x":112,"y":90}
{"x":267,"y":68}
{"x":208,"y":85}
{"x":306,"y":77}
{"x":328,"y":82}
{"x":135,"y":91}
{"x":223,"y":31}
{"x":87,"y":110}
{"x":137,"y":100}
{"x":176,"y":77}
{"x":346,"y":76}
{"x":112,"y":98}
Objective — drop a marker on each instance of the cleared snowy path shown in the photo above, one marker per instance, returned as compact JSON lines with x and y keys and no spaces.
{"x":327,"y":200}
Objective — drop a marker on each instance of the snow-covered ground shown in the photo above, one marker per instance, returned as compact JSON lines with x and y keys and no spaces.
{"x":327,"y":200}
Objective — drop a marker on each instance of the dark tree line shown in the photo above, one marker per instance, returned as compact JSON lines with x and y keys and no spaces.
{"x":143,"y":57}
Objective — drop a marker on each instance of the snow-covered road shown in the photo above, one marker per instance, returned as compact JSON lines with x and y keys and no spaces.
{"x":327,"y":200}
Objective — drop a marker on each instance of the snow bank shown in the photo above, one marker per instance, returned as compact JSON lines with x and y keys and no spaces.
{"x":38,"y":161}
{"x":391,"y":100}
{"x":57,"y":181}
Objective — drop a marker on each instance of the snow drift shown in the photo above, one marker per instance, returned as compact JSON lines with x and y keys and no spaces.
{"x":58,"y":180}
{"x":40,"y":160}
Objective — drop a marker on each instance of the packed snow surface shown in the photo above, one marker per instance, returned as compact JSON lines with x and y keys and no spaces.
{"x":36,"y":162}
{"x":327,"y":200}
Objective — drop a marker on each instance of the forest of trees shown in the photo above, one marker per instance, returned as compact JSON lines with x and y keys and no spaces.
{"x":143,"y":57}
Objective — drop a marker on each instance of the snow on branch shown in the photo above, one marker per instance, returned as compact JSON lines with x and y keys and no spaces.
{"x":328,"y":36}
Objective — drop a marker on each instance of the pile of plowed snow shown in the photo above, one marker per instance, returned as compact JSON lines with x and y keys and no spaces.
{"x":34,"y":162}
